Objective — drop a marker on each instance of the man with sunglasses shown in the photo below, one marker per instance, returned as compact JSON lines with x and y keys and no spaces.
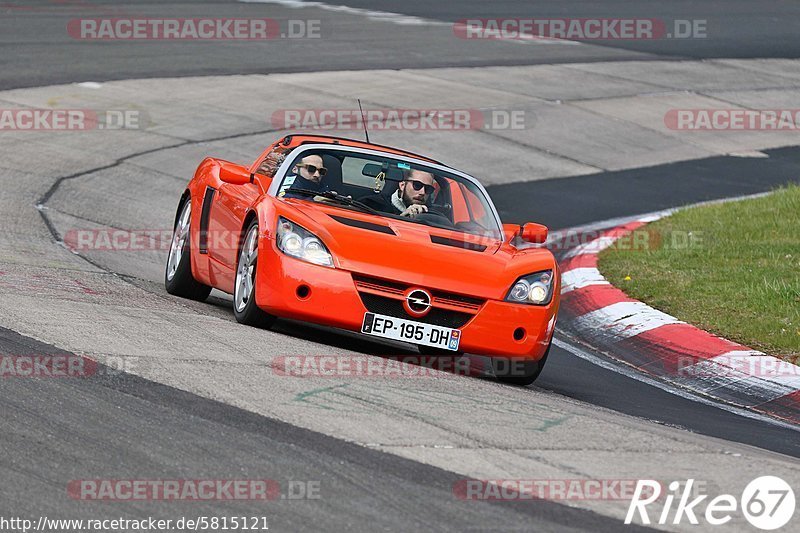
{"x":413,"y":193}
{"x":308,"y":174}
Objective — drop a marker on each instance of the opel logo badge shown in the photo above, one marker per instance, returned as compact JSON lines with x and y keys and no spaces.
{"x":417,"y":302}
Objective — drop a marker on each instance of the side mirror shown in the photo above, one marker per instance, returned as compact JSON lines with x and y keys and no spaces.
{"x":510,"y":231}
{"x":234,"y":174}
{"x":533,"y":232}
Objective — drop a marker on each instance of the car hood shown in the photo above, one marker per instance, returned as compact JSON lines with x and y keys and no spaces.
{"x":417,"y":254}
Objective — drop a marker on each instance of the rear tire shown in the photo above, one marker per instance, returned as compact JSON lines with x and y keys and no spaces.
{"x":244,"y":293}
{"x":178,"y":278}
{"x":520,"y":373}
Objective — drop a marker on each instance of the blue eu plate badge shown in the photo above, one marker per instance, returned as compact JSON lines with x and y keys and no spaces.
{"x":454,"y":337}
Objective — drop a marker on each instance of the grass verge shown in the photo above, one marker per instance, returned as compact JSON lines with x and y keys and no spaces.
{"x":732,"y":269}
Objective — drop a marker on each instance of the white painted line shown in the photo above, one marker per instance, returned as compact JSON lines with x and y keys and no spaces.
{"x":620,"y":367}
{"x":383,"y":16}
{"x":396,"y":18}
{"x":625,"y":319}
{"x":578,"y":278}
{"x":751,"y":153}
{"x":652,"y":218}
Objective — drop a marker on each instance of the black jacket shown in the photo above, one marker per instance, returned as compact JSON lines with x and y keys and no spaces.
{"x":301,"y":183}
{"x":381,"y":202}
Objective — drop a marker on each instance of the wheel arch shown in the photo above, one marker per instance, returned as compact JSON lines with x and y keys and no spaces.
{"x":261,"y":210}
{"x":248,"y":219}
{"x":186,"y":196}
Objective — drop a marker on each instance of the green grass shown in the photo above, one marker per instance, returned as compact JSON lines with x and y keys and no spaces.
{"x":732,"y":269}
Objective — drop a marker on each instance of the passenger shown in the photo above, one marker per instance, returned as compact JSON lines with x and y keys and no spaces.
{"x":308,"y":174}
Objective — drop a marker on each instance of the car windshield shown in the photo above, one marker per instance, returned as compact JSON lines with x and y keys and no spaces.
{"x":384,"y":186}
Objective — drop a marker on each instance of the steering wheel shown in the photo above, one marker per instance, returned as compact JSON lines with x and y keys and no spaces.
{"x":443,"y":209}
{"x":436,"y":218}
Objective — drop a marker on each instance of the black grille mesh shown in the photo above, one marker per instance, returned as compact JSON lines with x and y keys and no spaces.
{"x":391,"y":307}
{"x":403,"y":286}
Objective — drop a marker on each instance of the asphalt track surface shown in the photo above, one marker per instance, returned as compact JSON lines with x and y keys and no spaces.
{"x":734,"y":29}
{"x":104,"y":422}
{"x":35,"y":51}
{"x":98,"y":422}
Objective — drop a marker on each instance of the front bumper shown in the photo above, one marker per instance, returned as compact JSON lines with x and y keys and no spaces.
{"x":290,"y":288}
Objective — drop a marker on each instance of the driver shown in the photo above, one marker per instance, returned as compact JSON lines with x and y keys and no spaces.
{"x":413,"y":193}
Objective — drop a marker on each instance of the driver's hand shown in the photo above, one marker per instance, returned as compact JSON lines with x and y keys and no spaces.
{"x":337,"y":194}
{"x":414,"y":210}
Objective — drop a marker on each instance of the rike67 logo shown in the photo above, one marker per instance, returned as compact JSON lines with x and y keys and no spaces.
{"x":767,"y":503}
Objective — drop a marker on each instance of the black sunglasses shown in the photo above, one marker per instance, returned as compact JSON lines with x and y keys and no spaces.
{"x":418,"y":185}
{"x":311,"y":169}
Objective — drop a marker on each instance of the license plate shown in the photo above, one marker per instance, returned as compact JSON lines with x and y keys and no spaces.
{"x":399,"y":329}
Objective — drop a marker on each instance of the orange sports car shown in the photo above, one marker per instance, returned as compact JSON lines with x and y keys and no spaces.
{"x":371,"y":239}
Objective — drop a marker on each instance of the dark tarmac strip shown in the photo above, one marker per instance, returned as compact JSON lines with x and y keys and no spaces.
{"x":568,"y":202}
{"x":583,"y":380}
{"x":118,"y":426}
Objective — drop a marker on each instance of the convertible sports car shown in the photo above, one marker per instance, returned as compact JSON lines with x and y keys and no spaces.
{"x":371,"y":239}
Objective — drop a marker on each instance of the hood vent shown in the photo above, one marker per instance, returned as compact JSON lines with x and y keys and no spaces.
{"x":436,"y":239}
{"x":380,"y":228}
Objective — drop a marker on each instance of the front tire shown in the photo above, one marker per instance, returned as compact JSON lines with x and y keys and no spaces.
{"x":178,"y":279}
{"x":516,"y":372}
{"x":244,"y":293}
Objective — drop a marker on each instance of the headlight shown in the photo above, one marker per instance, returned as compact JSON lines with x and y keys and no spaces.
{"x":535,"y":289}
{"x":298,"y":242}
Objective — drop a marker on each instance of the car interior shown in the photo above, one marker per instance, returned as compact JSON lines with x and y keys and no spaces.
{"x":355,"y":177}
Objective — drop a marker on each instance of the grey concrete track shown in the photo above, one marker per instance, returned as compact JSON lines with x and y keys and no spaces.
{"x":99,"y":426}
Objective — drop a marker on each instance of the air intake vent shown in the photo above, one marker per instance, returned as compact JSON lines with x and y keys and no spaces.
{"x":457,"y":243}
{"x":363,"y":225}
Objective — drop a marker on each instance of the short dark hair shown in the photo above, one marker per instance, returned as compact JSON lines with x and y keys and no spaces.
{"x":407,"y":173}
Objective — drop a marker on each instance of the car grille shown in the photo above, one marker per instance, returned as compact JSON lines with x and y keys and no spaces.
{"x":391,"y":307}
{"x":386,"y":298}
